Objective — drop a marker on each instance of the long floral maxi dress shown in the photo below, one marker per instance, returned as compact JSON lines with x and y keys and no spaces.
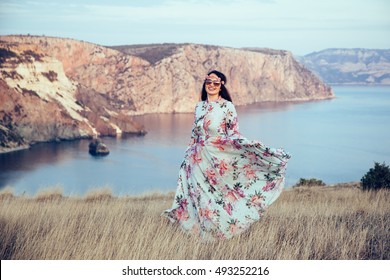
{"x":225,"y":181}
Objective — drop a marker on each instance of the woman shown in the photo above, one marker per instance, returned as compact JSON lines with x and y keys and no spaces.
{"x":225,"y":181}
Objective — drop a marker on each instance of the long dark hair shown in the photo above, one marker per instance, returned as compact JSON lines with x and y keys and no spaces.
{"x":224,"y":93}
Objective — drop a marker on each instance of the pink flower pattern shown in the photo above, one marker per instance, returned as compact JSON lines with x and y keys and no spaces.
{"x":226,"y":182}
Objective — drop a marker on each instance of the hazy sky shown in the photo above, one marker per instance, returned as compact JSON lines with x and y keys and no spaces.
{"x":301,"y":26}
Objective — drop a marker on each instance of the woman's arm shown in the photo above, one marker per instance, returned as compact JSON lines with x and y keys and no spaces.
{"x":194,"y":136}
{"x":232,"y":128}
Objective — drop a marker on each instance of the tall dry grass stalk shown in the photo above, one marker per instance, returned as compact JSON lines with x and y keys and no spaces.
{"x":315,"y":223}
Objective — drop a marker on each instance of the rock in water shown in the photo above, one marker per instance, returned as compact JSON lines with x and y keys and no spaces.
{"x":98,"y":148}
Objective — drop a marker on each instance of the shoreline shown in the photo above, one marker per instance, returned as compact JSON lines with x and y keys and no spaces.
{"x":19,"y":148}
{"x":143,"y":132}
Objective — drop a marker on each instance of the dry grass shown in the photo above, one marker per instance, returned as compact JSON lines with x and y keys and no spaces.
{"x":51,"y":194}
{"x":99,"y":195}
{"x":305,"y":223}
{"x":6,"y":194}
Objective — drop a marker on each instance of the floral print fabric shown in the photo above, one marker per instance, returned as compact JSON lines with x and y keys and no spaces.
{"x":225,"y":181}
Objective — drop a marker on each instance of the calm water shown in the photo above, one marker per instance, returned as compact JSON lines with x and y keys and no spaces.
{"x":336,"y":140}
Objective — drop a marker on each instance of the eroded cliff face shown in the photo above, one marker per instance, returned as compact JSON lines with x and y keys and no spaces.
{"x":41,"y":102}
{"x":173,"y":83}
{"x":54,"y":88}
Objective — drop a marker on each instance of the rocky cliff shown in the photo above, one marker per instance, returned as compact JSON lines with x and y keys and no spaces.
{"x":350,"y":66}
{"x":173,"y":79}
{"x":55,"y":88}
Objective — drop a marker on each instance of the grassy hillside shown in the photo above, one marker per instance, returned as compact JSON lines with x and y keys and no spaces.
{"x":305,"y":223}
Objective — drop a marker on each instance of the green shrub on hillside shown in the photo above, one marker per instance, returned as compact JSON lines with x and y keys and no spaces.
{"x":309,"y":182}
{"x":377,"y":177}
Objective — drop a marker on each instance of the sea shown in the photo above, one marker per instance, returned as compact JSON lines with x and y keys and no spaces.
{"x":336,"y":141}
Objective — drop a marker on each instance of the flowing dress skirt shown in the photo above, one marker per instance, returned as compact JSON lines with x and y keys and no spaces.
{"x":226,"y":181}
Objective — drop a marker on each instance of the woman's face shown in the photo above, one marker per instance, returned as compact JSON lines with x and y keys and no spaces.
{"x":213,"y":84}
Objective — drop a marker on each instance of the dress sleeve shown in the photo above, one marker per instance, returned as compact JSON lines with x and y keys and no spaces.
{"x":193,"y":134}
{"x":232,"y":129}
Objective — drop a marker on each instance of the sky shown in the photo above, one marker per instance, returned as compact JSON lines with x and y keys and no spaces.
{"x":300,"y":26}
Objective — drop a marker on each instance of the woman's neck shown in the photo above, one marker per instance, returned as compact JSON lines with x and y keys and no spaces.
{"x":212,"y":98}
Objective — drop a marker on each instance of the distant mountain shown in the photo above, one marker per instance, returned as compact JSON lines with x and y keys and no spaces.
{"x":350,"y":66}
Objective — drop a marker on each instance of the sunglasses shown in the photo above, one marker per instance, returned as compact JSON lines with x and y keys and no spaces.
{"x":215,"y":82}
